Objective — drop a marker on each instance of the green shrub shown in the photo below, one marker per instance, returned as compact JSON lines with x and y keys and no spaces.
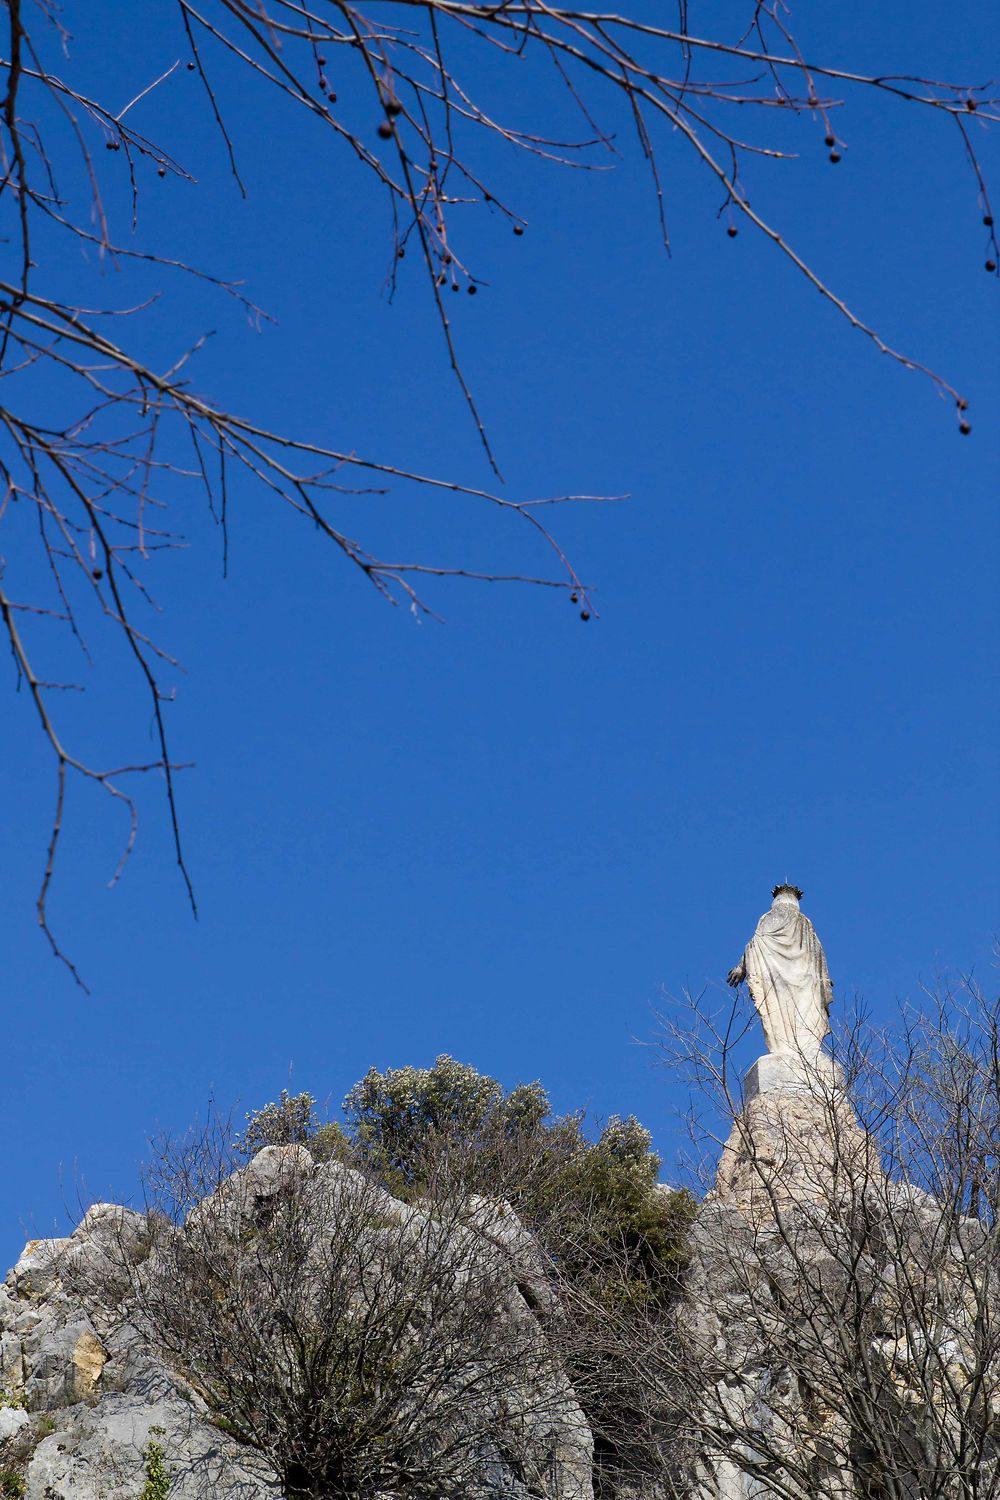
{"x":12,"y":1484}
{"x":596,"y":1206}
{"x":292,"y":1121}
{"x":403,"y":1122}
{"x":158,"y":1479}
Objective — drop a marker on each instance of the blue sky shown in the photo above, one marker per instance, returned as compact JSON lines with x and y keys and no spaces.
{"x":513,"y":836}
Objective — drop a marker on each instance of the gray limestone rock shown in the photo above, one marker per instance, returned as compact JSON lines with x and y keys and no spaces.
{"x":88,"y":1393}
{"x":64,"y":1362}
{"x":13,"y":1420}
{"x":37,"y":1269}
{"x":100,"y":1453}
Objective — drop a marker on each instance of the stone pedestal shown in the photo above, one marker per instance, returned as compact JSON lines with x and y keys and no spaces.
{"x":795,"y":1142}
{"x":790,"y":1071}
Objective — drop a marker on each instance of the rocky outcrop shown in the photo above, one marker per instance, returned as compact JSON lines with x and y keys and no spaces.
{"x":791,"y":1147}
{"x":88,"y":1396}
{"x":837,"y":1324}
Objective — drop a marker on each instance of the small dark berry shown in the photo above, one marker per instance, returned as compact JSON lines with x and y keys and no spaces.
{"x":393,"y":107}
{"x":190,"y":67}
{"x":574,"y":598}
{"x":518,"y":228}
{"x":732,"y":231}
{"x":454,"y":286}
{"x":829,"y":140}
{"x":321,"y":62}
{"x":988,"y":220}
{"x":835,"y":156}
{"x":385,"y":130}
{"x":962,"y":404}
{"x":585,"y":614}
{"x":991,"y":265}
{"x":471,"y":289}
{"x":970,"y":104}
{"x":401,"y":253}
{"x":324,"y":83}
{"x":98,"y":574}
{"x":161,"y":171}
{"x":332,"y":96}
{"x":965,"y":428}
{"x":487,"y":197}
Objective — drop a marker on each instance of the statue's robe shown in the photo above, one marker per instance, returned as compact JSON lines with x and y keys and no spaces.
{"x":789,"y":981}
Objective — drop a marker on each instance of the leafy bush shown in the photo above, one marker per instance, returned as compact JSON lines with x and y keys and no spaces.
{"x":450,"y":1129}
{"x":157,"y":1485}
{"x":403,"y":1124}
{"x":292,"y":1121}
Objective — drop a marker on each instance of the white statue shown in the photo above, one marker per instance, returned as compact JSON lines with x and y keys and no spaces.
{"x":785,"y":967}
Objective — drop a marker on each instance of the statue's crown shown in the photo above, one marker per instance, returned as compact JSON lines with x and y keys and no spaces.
{"x":792,"y":890}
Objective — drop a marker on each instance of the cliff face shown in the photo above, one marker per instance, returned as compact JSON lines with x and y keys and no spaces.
{"x":92,"y":1399}
{"x":91,"y":1405}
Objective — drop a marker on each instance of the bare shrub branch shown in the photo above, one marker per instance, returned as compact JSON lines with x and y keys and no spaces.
{"x":93,"y":490}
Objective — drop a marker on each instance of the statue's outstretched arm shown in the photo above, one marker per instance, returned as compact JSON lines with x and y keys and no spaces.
{"x":736,"y":976}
